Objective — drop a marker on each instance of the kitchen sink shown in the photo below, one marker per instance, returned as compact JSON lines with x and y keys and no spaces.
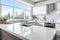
{"x":26,"y":25}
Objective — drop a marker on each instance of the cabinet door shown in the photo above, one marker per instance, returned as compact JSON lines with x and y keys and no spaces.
{"x":0,"y":34}
{"x":58,"y":6}
{"x":7,"y":36}
{"x":58,"y":27}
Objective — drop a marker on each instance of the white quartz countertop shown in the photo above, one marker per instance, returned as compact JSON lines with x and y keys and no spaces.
{"x":42,"y":33}
{"x":37,"y":33}
{"x":4,"y":27}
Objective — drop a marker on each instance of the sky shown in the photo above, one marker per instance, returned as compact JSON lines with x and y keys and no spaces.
{"x":10,"y":2}
{"x":7,"y":9}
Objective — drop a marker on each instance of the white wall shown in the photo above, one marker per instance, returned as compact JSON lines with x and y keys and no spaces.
{"x":53,"y":16}
{"x":47,"y":2}
{"x":39,"y":10}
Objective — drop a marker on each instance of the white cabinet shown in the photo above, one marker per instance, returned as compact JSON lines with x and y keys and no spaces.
{"x":58,"y":6}
{"x":58,"y":26}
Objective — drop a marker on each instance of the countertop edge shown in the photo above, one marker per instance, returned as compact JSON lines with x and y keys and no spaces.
{"x":12,"y":33}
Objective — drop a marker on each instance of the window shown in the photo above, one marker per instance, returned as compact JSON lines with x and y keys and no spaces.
{"x":7,"y":11}
{"x":18,"y":13}
{"x":11,"y":9}
{"x":27,"y":15}
{"x":15,"y":4}
{"x":39,"y":10}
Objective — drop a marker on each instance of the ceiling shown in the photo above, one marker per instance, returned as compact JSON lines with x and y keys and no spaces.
{"x":38,"y":0}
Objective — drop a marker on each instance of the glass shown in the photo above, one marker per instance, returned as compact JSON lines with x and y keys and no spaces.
{"x":13,"y":3}
{"x":39,"y":10}
{"x":29,"y":8}
{"x":11,"y":9}
{"x":18,"y":13}
{"x":7,"y":11}
{"x":27,"y":15}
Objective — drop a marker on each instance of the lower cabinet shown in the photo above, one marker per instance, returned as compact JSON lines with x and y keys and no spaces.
{"x":0,"y":34}
{"x":55,"y":37}
{"x":58,"y":27}
{"x":6,"y":36}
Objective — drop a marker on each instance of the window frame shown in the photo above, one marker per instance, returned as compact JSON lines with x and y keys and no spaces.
{"x":13,"y":8}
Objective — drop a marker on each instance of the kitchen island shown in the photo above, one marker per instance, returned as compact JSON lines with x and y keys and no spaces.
{"x":42,"y":33}
{"x":37,"y":32}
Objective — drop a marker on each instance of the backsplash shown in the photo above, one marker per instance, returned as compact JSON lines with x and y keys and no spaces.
{"x":53,"y":17}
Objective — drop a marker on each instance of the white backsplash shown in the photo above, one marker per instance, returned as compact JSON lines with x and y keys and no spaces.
{"x":53,"y":16}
